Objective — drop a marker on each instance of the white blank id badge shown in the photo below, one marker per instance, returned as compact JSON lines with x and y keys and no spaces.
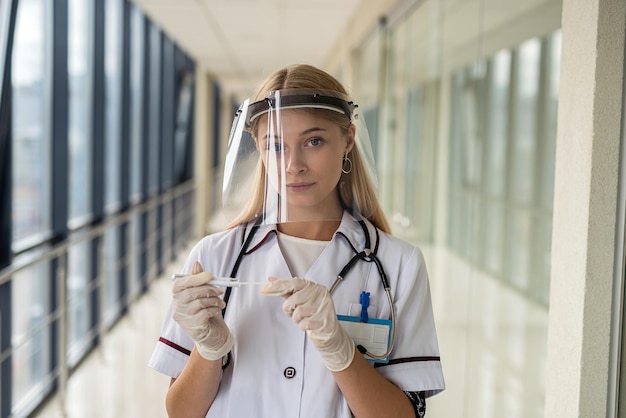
{"x":375,"y":334}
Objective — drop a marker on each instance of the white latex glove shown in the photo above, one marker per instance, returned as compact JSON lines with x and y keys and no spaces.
{"x":310,"y":305}
{"x":197,"y":308}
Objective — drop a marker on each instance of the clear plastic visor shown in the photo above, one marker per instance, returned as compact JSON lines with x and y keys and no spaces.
{"x":298,"y":156}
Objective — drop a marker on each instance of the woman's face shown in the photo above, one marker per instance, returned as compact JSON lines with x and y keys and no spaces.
{"x":303,"y":157}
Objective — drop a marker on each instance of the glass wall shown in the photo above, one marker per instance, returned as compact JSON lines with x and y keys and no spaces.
{"x":406,"y":152}
{"x":80,"y":246}
{"x":466,"y":103}
{"x":503,"y":137}
{"x":31,"y":200}
{"x":509,"y":163}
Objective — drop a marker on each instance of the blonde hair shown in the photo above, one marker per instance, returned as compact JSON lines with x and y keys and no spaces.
{"x":354,"y":188}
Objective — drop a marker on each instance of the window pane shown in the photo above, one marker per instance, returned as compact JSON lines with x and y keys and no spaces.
{"x":30,"y":335}
{"x":542,"y":248}
{"x":78,"y":300}
{"x":455,"y":210}
{"x":366,"y":85}
{"x":182,"y":135}
{"x":31,"y":141}
{"x":136,"y":99}
{"x":113,"y":83}
{"x":471,"y":140}
{"x":495,"y":178}
{"x":79,"y":66}
{"x":4,"y":18}
{"x":520,"y":249}
{"x":419,"y":162}
{"x":111,"y":268}
{"x":493,"y":236}
{"x":547,"y":190}
{"x":525,"y":133}
{"x":413,"y":158}
{"x":134,"y":287}
{"x":154,"y":133}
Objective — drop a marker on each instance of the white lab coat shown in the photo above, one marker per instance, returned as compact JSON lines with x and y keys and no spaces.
{"x":275,"y":371}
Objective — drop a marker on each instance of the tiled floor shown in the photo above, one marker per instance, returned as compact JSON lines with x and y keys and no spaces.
{"x":492,"y":345}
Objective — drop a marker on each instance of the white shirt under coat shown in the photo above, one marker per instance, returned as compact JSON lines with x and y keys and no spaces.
{"x":274,"y":370}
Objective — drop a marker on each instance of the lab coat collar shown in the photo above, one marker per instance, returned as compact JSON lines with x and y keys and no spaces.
{"x":264,"y":233}
{"x":349,"y":228}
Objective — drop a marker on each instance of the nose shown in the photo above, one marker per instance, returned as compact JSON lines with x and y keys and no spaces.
{"x":295,"y":162}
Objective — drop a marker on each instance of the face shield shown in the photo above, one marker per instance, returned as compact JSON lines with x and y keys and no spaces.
{"x":298,"y":155}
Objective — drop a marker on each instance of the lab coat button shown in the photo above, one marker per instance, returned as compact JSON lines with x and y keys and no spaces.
{"x":289,"y":372}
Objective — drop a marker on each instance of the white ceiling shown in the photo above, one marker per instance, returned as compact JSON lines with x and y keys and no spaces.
{"x":241,"y":41}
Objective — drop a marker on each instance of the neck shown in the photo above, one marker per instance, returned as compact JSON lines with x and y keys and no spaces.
{"x":315,"y":230}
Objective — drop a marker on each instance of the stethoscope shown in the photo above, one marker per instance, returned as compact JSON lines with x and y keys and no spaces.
{"x":366,"y":255}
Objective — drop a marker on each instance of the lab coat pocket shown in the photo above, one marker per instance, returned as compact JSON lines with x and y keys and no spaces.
{"x":373,"y":335}
{"x":355,"y":310}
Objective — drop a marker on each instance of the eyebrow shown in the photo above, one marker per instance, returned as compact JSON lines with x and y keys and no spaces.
{"x":314,"y":129}
{"x":305,"y":132}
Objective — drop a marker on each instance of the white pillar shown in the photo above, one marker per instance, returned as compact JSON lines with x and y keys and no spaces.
{"x":585,"y":200}
{"x":202,"y":149}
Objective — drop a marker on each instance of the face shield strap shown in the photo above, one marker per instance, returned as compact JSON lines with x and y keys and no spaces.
{"x":299,"y":101}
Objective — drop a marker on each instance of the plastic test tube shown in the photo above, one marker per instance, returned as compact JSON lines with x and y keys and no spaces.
{"x":222,"y":281}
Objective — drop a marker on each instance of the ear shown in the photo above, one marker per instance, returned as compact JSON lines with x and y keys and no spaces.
{"x":350,"y":138}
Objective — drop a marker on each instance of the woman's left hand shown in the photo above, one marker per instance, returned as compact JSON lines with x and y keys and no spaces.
{"x":310,"y":305}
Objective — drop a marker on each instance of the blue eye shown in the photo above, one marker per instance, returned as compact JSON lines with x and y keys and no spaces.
{"x":315,"y":141}
{"x":277,"y":147}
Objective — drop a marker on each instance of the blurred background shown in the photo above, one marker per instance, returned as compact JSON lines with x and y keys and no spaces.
{"x":496,"y":125}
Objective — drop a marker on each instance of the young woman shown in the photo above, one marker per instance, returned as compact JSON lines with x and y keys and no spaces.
{"x":342,"y":325}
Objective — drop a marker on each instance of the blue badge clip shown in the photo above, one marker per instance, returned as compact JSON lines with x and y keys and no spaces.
{"x":364,"y":299}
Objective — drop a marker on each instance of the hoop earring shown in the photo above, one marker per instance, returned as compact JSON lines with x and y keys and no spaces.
{"x":346,"y":160}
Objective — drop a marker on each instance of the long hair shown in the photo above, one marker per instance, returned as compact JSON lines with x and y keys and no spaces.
{"x":354,"y":188}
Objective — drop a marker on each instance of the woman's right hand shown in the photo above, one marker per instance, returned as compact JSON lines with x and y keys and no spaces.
{"x":197,"y":308}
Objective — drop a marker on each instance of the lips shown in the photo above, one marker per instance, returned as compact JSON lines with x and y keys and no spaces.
{"x":299,"y":187}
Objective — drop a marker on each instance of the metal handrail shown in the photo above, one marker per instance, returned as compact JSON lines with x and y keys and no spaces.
{"x":94,"y":231}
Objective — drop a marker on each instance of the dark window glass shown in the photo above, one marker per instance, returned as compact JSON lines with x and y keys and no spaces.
{"x":136,"y":101}
{"x":80,"y":93}
{"x":113,"y":97}
{"x":31,"y":133}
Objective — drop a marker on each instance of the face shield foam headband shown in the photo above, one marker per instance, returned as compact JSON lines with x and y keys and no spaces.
{"x":300,"y":101}
{"x":307,"y":129}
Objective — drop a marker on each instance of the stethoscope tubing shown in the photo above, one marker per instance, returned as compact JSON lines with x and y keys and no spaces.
{"x":366,"y":255}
